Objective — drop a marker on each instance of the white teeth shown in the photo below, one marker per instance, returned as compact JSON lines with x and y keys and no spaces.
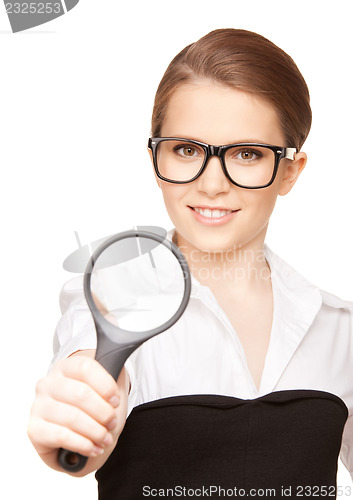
{"x":216,"y":214}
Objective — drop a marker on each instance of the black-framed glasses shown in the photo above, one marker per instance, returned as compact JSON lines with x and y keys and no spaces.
{"x":247,"y":165}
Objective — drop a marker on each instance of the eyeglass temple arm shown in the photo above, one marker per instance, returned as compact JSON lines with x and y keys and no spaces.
{"x":289,"y":153}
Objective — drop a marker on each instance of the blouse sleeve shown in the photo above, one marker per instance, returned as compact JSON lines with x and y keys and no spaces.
{"x":346,"y":454}
{"x":347,"y":446}
{"x":75,"y":329}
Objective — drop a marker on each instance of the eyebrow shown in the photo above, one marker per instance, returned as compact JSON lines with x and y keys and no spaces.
{"x":246,"y":140}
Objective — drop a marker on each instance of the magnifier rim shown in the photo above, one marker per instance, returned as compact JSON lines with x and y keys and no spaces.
{"x":99,"y":318}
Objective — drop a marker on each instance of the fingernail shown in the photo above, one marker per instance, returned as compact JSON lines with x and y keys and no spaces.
{"x":97,"y":450}
{"x":114,"y":401}
{"x":108,"y":439}
{"x":112,"y":424}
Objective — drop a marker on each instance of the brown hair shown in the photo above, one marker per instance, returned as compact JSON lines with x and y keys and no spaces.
{"x":246,"y":61}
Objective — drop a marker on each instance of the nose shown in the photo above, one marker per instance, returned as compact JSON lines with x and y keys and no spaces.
{"x":213,"y":180}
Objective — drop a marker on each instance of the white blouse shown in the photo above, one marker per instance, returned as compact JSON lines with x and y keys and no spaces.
{"x":311,"y":346}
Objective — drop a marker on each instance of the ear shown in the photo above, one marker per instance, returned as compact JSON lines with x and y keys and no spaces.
{"x":151,"y":158}
{"x":291,"y":171}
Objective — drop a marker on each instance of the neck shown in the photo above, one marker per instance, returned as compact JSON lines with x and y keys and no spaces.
{"x":246,"y":267}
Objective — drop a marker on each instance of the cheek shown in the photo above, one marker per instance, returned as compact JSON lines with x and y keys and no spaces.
{"x":173,"y":195}
{"x":261,"y":203}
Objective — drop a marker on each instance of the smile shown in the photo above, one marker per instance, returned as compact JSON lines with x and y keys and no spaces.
{"x":208,"y":215}
{"x":212,"y":213}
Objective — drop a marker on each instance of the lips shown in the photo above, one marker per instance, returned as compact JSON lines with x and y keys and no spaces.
{"x":212,"y":212}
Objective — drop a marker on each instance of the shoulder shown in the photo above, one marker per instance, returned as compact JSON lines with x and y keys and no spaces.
{"x":336,"y":313}
{"x":336,"y":302}
{"x":300,"y":294}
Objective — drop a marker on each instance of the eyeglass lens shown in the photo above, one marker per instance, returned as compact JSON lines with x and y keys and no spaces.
{"x":246,"y":165}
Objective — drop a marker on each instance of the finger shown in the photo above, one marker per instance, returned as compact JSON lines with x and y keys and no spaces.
{"x":81,"y":396}
{"x":50,"y":436}
{"x":76,"y":420}
{"x":92,"y":373}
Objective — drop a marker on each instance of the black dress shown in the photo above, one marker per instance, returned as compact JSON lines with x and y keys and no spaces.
{"x":284,"y":444}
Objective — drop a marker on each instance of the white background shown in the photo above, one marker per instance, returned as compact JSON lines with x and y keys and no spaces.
{"x":75,"y":101}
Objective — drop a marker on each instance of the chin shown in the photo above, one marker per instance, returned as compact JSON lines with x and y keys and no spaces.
{"x":211,"y":244}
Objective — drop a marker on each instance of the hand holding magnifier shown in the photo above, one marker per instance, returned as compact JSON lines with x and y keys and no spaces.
{"x":137,"y":284}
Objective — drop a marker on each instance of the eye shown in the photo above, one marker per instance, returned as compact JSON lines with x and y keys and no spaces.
{"x":186,"y":151}
{"x":247,"y":155}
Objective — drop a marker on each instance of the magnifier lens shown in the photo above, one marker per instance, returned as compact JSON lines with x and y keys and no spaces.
{"x":137,"y":284}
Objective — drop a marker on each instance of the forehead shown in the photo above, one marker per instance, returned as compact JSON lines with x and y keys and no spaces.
{"x":220,"y":115}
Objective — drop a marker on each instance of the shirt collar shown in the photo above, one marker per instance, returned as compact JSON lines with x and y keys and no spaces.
{"x":296,"y":304}
{"x":296,"y":292}
{"x":299,"y":299}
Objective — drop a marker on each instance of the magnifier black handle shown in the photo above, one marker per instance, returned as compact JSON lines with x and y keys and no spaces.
{"x":71,"y":461}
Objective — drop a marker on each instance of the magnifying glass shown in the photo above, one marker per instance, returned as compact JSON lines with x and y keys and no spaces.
{"x":137,"y":285}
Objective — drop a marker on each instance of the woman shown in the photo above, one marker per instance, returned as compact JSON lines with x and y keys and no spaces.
{"x":252,"y":388}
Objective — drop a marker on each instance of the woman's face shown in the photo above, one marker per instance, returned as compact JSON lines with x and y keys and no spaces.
{"x":220,"y":115}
